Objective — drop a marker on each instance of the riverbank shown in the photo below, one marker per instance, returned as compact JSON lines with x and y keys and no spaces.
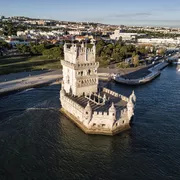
{"x":24,"y":80}
{"x":141,"y":76}
{"x":20,"y":81}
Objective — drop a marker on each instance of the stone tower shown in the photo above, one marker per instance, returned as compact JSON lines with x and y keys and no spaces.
{"x":80,"y":69}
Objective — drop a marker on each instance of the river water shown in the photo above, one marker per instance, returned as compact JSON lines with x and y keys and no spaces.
{"x":37,"y":142}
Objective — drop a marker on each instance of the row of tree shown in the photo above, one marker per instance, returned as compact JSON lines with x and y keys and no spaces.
{"x":48,"y":50}
{"x":4,"y":44}
{"x":108,"y":53}
{"x":154,"y":34}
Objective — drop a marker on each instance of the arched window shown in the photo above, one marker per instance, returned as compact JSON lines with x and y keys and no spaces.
{"x":81,"y":73}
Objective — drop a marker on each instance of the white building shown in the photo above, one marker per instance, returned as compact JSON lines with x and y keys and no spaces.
{"x":21,"y":33}
{"x":125,"y":36}
{"x":95,"y":109}
{"x":74,"y":32}
{"x":159,"y":40}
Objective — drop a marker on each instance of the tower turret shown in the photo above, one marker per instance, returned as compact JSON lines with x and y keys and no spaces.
{"x":87,"y":113}
{"x":79,"y":69}
{"x":112,"y":112}
{"x":130,"y":105}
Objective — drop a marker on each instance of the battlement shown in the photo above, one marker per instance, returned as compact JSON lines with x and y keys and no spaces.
{"x":100,"y":113}
{"x":96,"y":109}
{"x":80,"y":66}
{"x":79,"y":54}
{"x":124,"y":98}
{"x":81,"y":48}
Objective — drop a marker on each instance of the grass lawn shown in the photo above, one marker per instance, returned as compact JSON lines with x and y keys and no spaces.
{"x":20,"y":64}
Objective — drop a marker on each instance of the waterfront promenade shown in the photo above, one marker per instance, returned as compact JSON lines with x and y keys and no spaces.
{"x":25,"y":80}
{"x":141,"y":76}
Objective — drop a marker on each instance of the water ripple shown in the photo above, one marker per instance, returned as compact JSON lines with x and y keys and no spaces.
{"x":38,"y":142}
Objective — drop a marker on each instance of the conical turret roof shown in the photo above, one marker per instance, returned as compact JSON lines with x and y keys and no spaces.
{"x":112,"y":108}
{"x":88,"y":107}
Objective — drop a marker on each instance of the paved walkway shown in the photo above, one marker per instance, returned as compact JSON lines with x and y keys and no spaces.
{"x":141,"y":76}
{"x":25,"y":80}
{"x":20,"y":81}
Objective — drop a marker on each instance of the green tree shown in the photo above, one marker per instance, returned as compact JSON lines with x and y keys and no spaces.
{"x":161,"y":51}
{"x":135,"y":60}
{"x":4,"y":44}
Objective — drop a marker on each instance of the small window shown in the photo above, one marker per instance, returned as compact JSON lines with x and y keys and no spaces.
{"x":116,"y":124}
{"x":103,"y":125}
{"x":86,"y":112}
{"x":94,"y":124}
{"x":89,"y":72}
{"x":113,"y":114}
{"x":123,"y":122}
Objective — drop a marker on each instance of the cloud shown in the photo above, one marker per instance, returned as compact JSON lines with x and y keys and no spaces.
{"x":117,"y":16}
{"x":131,"y":15}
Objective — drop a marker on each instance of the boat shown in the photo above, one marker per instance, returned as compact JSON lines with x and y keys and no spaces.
{"x":177,"y":61}
{"x":178,"y":68}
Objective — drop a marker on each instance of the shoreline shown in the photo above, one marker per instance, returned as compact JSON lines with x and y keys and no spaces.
{"x":26,"y":80}
{"x":153,"y":72}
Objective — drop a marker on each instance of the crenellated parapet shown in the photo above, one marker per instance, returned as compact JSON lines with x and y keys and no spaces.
{"x":79,"y":54}
{"x":65,"y":99}
{"x":80,"y":66}
{"x":94,"y":109}
{"x":124,"y":98}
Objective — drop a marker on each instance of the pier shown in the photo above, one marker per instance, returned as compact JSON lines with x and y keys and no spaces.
{"x":141,"y":76}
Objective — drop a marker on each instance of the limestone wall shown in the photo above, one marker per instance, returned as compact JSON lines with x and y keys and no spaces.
{"x":69,"y":79}
{"x":85,"y":55}
{"x":104,"y":120}
{"x":75,"y":54}
{"x":87,"y":89}
{"x":72,"y":107}
{"x":98,"y":120}
{"x":124,"y":98}
{"x":70,"y":55}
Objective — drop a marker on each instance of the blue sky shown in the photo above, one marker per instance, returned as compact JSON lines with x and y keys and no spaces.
{"x":127,"y":12}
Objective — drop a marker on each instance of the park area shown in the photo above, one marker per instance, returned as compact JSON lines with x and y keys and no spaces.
{"x":27,"y":63}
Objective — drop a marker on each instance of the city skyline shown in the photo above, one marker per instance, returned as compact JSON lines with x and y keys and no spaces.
{"x":141,"y":13}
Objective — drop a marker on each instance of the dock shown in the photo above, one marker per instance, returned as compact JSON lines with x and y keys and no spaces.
{"x":141,"y":76}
